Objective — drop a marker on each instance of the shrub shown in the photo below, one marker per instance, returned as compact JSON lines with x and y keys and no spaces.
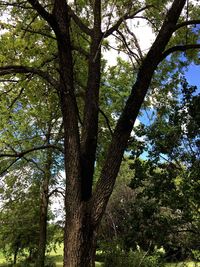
{"x":196,"y":255}
{"x":119,"y":258}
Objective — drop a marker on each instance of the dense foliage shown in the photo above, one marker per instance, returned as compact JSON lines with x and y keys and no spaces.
{"x":159,"y":206}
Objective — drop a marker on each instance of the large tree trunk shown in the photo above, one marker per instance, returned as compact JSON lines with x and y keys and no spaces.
{"x":80,"y":241}
{"x":85,"y":209}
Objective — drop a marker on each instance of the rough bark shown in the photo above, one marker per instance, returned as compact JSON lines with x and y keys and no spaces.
{"x":73,"y":205}
{"x":90,"y":122}
{"x":80,"y":239}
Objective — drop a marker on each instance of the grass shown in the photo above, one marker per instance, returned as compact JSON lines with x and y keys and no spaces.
{"x":98,"y":264}
{"x":184,"y":264}
{"x":57,"y":255}
{"x":2,"y":259}
{"x":58,"y":258}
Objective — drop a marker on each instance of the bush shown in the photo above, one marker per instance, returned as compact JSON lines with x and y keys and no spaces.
{"x":119,"y":258}
{"x":196,"y":255}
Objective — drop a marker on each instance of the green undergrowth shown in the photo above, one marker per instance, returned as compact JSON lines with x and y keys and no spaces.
{"x":57,"y":258}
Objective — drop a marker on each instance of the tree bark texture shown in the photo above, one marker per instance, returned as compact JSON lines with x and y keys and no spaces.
{"x":91,"y":109}
{"x":80,"y":239}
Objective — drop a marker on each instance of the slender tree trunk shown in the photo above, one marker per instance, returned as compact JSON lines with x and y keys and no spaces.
{"x":44,"y":202}
{"x":15,"y":255}
{"x":43,"y":230}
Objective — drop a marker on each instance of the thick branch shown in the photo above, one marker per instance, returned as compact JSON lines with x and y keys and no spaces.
{"x":91,"y":110}
{"x":186,"y":23}
{"x":12,"y":69}
{"x":179,"y":48}
{"x":69,"y":108}
{"x":42,"y":11}
{"x":126,"y":121}
{"x":79,"y":22}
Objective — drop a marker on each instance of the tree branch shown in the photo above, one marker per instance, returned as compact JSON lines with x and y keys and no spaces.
{"x":186,"y":23}
{"x":91,"y":106}
{"x":21,"y":4}
{"x":79,"y":22}
{"x":135,"y":41}
{"x":42,"y":11}
{"x":21,"y":154}
{"x":16,"y":98}
{"x":179,"y":48}
{"x":107,"y":121}
{"x":40,"y":33}
{"x":8,"y":167}
{"x":125,"y":17}
{"x":35,"y":163}
{"x":131,"y":53}
{"x":110,"y":169}
{"x":14,"y":69}
{"x":57,"y":191}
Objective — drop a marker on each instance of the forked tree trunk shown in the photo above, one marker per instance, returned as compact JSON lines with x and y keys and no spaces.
{"x":84,"y":208}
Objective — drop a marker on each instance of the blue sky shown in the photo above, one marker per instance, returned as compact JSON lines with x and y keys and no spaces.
{"x":193,"y":75}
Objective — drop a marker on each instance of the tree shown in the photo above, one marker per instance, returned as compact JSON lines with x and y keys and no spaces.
{"x":19,"y":222}
{"x":166,"y":215}
{"x":168,"y":179}
{"x":65,"y":25}
{"x":24,"y":134}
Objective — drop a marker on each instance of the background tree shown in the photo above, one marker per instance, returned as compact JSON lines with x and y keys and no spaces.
{"x":29,"y":138}
{"x":157,"y":202}
{"x":19,"y":215}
